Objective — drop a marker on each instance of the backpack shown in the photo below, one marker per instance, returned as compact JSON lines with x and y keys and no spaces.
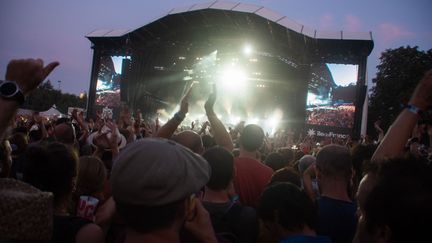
{"x":224,"y":224}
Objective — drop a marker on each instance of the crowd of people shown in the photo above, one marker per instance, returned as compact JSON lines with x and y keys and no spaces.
{"x":339,"y":116}
{"x":97,"y":179}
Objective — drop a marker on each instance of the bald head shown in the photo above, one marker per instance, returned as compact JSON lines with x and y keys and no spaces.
{"x":191,"y":140}
{"x":64,"y":133}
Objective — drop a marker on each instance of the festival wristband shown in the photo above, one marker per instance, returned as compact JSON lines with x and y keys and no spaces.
{"x":414,"y":109}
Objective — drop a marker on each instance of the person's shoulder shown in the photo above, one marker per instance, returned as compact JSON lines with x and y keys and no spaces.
{"x":90,"y":233}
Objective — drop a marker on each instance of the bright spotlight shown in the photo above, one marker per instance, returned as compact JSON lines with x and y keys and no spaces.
{"x":253,"y":120}
{"x":247,"y":50}
{"x":234,"y":120}
{"x":272,"y":122}
{"x":233,"y":79}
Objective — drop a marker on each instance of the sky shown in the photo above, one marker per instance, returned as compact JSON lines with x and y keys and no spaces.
{"x":56,"y":29}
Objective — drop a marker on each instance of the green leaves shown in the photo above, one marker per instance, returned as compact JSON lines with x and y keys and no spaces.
{"x":398,"y":74}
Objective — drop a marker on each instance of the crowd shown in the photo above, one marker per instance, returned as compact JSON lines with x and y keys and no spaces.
{"x":340,"y":116}
{"x":99,"y":180}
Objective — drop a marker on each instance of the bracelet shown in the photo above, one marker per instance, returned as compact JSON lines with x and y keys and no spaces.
{"x":179,"y":116}
{"x":414,"y":109}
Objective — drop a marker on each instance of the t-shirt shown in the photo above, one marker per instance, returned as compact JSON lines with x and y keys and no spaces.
{"x":228,"y":217}
{"x":250,"y":180}
{"x":337,"y":219}
{"x":65,"y":228}
{"x":306,"y":239}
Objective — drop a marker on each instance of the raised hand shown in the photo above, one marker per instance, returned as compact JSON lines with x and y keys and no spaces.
{"x":184,"y":103}
{"x":211,"y":100}
{"x":377,"y":126}
{"x":114,"y":131}
{"x":422,"y":96}
{"x":75,"y":114}
{"x":28,"y":73}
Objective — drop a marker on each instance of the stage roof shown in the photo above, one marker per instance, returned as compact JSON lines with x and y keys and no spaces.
{"x":221,"y":21}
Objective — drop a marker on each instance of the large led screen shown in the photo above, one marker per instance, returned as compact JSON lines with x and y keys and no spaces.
{"x":331,"y":96}
{"x":108,"y":82}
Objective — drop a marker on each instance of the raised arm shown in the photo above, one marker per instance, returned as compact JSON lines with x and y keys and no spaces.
{"x":168,"y":129}
{"x":379,"y":131}
{"x":400,"y":131}
{"x":307,"y":176}
{"x":40,"y":123}
{"x":220,"y":134}
{"x":27,"y":74}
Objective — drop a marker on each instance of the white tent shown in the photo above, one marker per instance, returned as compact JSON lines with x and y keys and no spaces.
{"x":51,"y":112}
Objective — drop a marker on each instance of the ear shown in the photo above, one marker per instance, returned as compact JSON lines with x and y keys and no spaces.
{"x":190,"y":207}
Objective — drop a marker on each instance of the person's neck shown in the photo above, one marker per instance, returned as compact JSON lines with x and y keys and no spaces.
{"x":215,"y":196}
{"x":335,"y":189}
{"x":247,"y":154}
{"x":156,"y":236}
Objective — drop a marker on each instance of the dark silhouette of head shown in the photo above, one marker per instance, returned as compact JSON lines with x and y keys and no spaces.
{"x":286,"y":174}
{"x":64,"y":133}
{"x":191,"y":140}
{"x":285,"y":204}
{"x":251,"y":138}
{"x":52,"y":168}
{"x":395,"y":202}
{"x":334,"y":161}
{"x":275,"y":161}
{"x":222,"y":166}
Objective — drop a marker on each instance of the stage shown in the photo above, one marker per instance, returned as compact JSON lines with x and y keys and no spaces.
{"x":267,"y":68}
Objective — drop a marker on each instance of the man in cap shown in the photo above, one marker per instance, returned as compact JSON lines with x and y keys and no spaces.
{"x":154,"y":182}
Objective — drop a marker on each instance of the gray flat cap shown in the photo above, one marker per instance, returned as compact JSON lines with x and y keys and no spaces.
{"x":155,"y":171}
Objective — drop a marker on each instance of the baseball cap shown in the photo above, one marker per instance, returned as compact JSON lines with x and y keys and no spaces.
{"x":156,"y":171}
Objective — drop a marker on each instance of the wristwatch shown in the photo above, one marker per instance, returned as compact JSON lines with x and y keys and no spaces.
{"x":10,"y":90}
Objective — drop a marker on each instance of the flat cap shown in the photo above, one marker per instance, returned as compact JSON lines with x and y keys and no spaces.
{"x":156,"y":171}
{"x":26,"y":212}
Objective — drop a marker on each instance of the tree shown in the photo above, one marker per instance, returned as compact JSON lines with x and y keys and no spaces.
{"x":398,"y":73}
{"x":45,"y":96}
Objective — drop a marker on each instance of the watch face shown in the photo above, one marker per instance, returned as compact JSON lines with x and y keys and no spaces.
{"x":8,"y":89}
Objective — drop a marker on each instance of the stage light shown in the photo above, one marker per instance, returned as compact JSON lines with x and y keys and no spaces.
{"x":247,"y":49}
{"x":252,"y":120}
{"x":234,"y":120}
{"x":233,"y":79}
{"x":272,"y":122}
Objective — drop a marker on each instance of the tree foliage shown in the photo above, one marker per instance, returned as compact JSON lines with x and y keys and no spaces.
{"x":398,"y":73}
{"x":45,"y":96}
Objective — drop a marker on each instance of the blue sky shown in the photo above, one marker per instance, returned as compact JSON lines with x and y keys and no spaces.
{"x":55,"y":29}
